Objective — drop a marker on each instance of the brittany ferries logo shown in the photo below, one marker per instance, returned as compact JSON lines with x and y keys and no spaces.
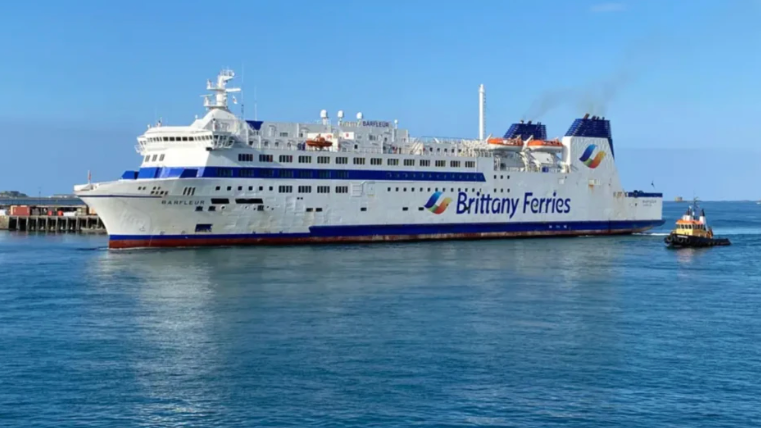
{"x":592,"y":162}
{"x":434,"y":206}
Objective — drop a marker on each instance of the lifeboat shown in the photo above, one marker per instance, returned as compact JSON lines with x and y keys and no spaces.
{"x":319,"y":142}
{"x":513,"y":144}
{"x":545,"y":145}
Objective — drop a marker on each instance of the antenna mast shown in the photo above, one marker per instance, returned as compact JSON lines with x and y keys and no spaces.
{"x":481,"y":112}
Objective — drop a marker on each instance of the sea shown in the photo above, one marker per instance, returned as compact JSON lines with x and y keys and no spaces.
{"x":580,"y":332}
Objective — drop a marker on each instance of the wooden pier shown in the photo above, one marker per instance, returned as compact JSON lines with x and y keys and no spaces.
{"x":53,"y":224}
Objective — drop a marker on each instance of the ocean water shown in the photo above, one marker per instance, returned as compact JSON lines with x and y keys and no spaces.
{"x":593,"y":332}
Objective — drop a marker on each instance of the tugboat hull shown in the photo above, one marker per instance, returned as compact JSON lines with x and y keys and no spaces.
{"x":684,"y":241}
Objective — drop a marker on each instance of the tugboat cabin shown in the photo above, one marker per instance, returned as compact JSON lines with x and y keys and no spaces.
{"x":692,"y":228}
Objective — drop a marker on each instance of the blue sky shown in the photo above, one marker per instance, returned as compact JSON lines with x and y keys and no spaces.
{"x":678,"y":79}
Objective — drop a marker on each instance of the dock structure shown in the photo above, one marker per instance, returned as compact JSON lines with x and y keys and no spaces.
{"x":57,"y":214}
{"x":54,"y":224}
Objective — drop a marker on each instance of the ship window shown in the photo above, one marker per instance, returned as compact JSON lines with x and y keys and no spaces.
{"x":305,"y":159}
{"x":363,"y":209}
{"x":319,"y":210}
{"x":154,"y":158}
{"x":323,"y":189}
{"x":285,"y":189}
{"x":376,"y":161}
{"x":249,"y":201}
{"x":323,"y":159}
{"x":165,"y":138}
{"x":425,"y":162}
{"x":441,"y":163}
{"x":265,"y":158}
{"x":161,"y":158}
{"x":409,"y":162}
{"x":212,"y":208}
{"x":240,"y":188}
{"x":404,"y":209}
{"x":342,"y":189}
{"x":392,"y":162}
{"x":286,"y":158}
{"x":342,"y":160}
{"x":148,"y":158}
{"x":217,"y":188}
{"x":359,"y":161}
{"x":171,"y":138}
{"x":470,"y":164}
{"x":229,"y":188}
{"x":283,"y":134}
{"x":184,"y":138}
{"x":309,"y":210}
{"x":203,"y":228}
{"x":454,"y":164}
{"x":305,"y":189}
{"x":199,"y":208}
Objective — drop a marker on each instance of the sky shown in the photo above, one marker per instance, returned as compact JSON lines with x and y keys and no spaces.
{"x":679,"y":80}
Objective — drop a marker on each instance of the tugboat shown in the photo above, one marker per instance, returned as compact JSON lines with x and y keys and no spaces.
{"x":692,"y":231}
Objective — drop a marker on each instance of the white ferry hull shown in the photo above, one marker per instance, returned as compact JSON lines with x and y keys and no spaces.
{"x":140,"y":220}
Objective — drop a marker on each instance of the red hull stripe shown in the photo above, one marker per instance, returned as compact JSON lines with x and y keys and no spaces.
{"x":390,"y":233}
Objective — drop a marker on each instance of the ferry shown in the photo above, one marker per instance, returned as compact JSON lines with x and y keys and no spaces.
{"x":224,"y":180}
{"x":693,"y":231}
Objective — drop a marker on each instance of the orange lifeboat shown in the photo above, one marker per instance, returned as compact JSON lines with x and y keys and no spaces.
{"x":319,"y":142}
{"x":505,"y":144}
{"x":545,"y":145}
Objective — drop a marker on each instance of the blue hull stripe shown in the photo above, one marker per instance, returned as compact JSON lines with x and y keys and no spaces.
{"x":434,"y":174}
{"x":545,"y":228}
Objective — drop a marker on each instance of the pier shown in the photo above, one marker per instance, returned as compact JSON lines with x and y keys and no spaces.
{"x":48,"y":215}
{"x":53,"y":224}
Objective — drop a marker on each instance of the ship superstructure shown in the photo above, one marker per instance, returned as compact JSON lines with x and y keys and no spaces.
{"x":226,"y":181}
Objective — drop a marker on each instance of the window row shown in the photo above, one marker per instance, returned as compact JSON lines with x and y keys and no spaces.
{"x":341,"y":160}
{"x":184,"y":138}
{"x":149,"y":158}
{"x":337,"y":174}
{"x":443,"y":189}
{"x":308,"y":189}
